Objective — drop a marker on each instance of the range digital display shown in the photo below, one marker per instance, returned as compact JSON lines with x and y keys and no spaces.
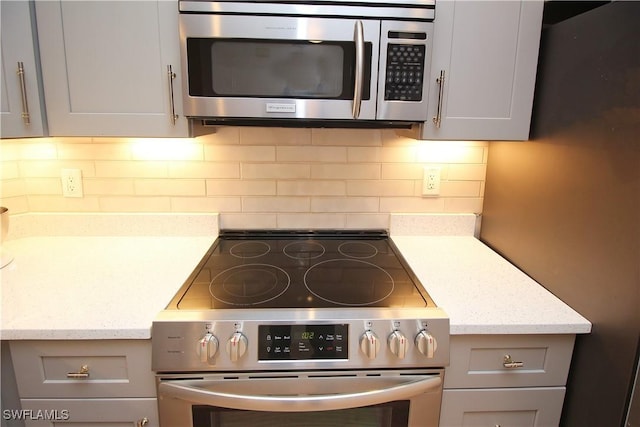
{"x":303,"y":342}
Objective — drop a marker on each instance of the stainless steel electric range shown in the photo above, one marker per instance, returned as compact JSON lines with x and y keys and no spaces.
{"x":283,"y":323}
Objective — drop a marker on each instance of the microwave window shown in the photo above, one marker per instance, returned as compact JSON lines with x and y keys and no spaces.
{"x":271,"y":68}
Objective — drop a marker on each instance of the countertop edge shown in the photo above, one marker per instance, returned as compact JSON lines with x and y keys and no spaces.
{"x":74,"y":334}
{"x":496,"y":329}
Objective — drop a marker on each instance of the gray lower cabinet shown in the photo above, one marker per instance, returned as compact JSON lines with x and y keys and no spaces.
{"x":520,"y":407}
{"x":89,"y":383}
{"x":91,"y":412}
{"x":506,"y":380}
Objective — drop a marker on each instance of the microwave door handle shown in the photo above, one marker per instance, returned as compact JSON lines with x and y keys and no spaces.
{"x":374,"y":392}
{"x":358,"y":38}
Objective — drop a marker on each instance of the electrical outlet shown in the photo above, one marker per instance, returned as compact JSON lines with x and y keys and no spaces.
{"x":431,"y":181}
{"x":71,"y":182}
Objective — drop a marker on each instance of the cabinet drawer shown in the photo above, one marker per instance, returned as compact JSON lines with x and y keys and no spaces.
{"x":90,"y":412}
{"x":524,"y":407}
{"x":537,"y":360}
{"x":54,"y":369}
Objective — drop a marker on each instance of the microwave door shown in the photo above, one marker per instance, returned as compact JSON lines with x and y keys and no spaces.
{"x":279,"y":67}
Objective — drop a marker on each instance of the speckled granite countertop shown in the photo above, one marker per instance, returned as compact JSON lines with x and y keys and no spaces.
{"x":96,"y":276}
{"x":481,"y":291}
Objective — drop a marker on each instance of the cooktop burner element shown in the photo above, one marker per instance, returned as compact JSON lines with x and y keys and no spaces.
{"x":358,"y":250}
{"x":292,"y":269}
{"x":250,"y":249}
{"x":368,"y":284}
{"x":249,"y":284}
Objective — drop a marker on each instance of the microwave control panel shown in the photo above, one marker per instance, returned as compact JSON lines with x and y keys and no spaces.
{"x":404,"y":73}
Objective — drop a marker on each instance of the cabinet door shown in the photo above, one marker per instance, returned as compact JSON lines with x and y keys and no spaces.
{"x":20,"y":104}
{"x":90,"y":412}
{"x":478,"y":361}
{"x":488,"y":53}
{"x":104,"y":67}
{"x":112,"y":368}
{"x":521,"y":407}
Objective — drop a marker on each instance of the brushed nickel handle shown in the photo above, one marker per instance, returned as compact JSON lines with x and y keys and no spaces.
{"x":171,"y":75}
{"x":509,"y":363}
{"x":438,"y":117}
{"x":26,"y":117}
{"x":82,"y":374}
{"x":358,"y":38}
{"x":143,"y":422}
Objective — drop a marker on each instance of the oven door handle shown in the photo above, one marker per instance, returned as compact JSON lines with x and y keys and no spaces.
{"x":294,"y":394}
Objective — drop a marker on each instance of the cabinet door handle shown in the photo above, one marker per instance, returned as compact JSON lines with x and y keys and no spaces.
{"x":83,"y":373}
{"x":509,"y":363}
{"x":438,"y":117}
{"x":143,"y":422}
{"x":26,"y":117}
{"x":171,"y":75}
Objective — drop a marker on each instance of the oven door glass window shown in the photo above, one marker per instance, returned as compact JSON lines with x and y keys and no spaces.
{"x":259,"y":68}
{"x":392,"y":414}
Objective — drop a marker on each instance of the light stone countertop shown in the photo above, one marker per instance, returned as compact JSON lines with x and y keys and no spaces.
{"x":102,"y":276}
{"x":109,"y":282}
{"x":482,"y":292}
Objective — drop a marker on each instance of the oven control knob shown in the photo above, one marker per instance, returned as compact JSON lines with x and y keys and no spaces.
{"x":426,"y":343}
{"x":398,"y":344}
{"x":236,"y":346}
{"x":207,"y":348}
{"x":370,"y":344}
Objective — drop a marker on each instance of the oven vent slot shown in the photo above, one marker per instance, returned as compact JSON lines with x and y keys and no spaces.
{"x":332,"y":376}
{"x":271,"y":377}
{"x":182,"y":379}
{"x":411,"y":374}
{"x":231,"y":378}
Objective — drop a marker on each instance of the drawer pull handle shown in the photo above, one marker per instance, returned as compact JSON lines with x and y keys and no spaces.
{"x":143,"y":422}
{"x":510,"y":363}
{"x":82,"y":374}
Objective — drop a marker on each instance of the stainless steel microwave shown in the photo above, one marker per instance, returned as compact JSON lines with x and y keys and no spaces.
{"x":318,"y":61}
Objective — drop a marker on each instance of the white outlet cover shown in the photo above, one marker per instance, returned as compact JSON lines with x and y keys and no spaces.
{"x":71,"y":182}
{"x":431,"y":181}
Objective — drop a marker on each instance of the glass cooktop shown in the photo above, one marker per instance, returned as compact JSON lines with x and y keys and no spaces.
{"x":301,"y":269}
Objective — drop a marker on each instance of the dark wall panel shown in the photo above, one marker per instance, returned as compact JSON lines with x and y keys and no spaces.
{"x":565,"y":206}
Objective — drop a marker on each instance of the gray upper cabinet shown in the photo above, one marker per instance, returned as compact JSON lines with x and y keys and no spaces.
{"x":20,"y":89}
{"x":487,"y":52}
{"x":105,"y":68}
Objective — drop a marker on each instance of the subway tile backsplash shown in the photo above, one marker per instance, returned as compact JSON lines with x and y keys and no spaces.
{"x":255,"y":177}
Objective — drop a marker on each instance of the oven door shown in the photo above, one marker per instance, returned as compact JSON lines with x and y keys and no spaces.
{"x":319,"y":399}
{"x":258,"y":67}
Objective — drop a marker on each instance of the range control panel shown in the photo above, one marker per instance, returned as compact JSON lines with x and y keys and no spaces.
{"x":303,"y":342}
{"x":242,"y":345}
